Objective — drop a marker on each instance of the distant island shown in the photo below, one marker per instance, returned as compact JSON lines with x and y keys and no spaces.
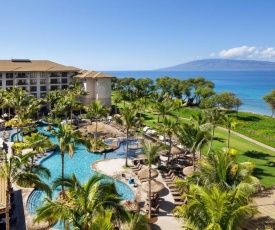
{"x":224,"y":64}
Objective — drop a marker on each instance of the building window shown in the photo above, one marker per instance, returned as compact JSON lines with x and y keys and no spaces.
{"x":43,"y":74}
{"x":22,"y":82}
{"x":64,"y":86}
{"x":33,"y":81}
{"x":54,"y":87}
{"x":22,"y":75}
{"x":24,"y":88}
{"x":0,"y":75}
{"x":0,"y":83}
{"x":55,"y":74}
{"x":9,"y":82}
{"x":9,"y":75}
{"x":43,"y":81}
{"x":33,"y":89}
{"x":54,"y":81}
{"x":43,"y":88}
{"x":32,"y":75}
{"x":64,"y":81}
{"x":64,"y":74}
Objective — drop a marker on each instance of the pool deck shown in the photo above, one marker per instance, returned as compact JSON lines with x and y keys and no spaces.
{"x":114,"y":168}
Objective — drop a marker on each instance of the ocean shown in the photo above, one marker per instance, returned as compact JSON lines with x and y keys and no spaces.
{"x":249,"y":86}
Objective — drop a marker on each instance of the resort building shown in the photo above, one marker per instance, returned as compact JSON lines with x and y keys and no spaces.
{"x":38,"y":77}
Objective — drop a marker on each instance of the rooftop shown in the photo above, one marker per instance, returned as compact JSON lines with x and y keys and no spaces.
{"x":26,"y":65}
{"x":92,"y":74}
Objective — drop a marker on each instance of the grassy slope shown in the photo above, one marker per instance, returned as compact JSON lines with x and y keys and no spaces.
{"x":248,"y":151}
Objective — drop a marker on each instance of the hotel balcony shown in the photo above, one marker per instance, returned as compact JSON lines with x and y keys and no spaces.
{"x":22,"y":83}
{"x":54,"y":81}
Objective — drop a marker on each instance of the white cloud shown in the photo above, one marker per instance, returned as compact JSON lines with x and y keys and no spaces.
{"x":247,"y":52}
{"x":213,"y":55}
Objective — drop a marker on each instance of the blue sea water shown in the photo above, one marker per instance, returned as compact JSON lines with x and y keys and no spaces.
{"x":249,"y":86}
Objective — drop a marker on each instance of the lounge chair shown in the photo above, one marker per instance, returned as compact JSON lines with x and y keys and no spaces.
{"x":177,"y":197}
{"x":170,"y":179}
{"x":154,"y":210}
{"x":136,"y":166}
{"x":174,"y":191}
{"x":137,"y":170}
{"x":165,"y":175}
{"x":179,"y":203}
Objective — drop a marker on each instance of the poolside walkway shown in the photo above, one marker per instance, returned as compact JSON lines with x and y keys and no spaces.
{"x":114,"y":168}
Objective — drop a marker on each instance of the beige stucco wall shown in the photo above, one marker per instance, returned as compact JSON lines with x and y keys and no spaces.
{"x":99,"y":89}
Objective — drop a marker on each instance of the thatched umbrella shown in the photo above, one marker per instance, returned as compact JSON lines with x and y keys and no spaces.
{"x":156,"y":186}
{"x":188,"y":170}
{"x":176,"y":150}
{"x":130,"y":205}
{"x":144,"y":173}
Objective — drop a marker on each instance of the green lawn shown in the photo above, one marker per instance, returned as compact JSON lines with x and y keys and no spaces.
{"x":264,"y":159}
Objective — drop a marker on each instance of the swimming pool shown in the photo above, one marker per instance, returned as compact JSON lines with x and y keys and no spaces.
{"x":80,"y":165}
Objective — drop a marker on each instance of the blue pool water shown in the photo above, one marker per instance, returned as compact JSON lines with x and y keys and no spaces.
{"x":80,"y":165}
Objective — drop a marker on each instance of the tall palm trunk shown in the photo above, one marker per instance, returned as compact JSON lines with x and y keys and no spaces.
{"x":149,"y":192}
{"x":228,"y":138}
{"x":8,"y":193}
{"x":9,"y":113}
{"x":140,"y":119}
{"x":170,"y":147}
{"x":62,"y":173}
{"x":95,"y":136}
{"x":127,"y":136}
{"x":211,"y":140}
{"x":17,"y":133}
{"x":194,"y":156}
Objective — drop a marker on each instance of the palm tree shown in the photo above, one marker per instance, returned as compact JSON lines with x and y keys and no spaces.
{"x":169,"y":128}
{"x":51,"y":98}
{"x":96,"y":110}
{"x":220,"y":168}
{"x":151,"y":152}
{"x":229,"y":123}
{"x":18,"y":98}
{"x":213,"y":208}
{"x":193,"y":138}
{"x":198,"y":120}
{"x":164,"y":108}
{"x":178,"y":105}
{"x":139,"y":104}
{"x":38,"y":143}
{"x":135,"y":221}
{"x":2,"y":99}
{"x":128,"y":120}
{"x":67,"y":139}
{"x":116,"y":100}
{"x":18,"y":122}
{"x":213,"y":117}
{"x":63,"y":106}
{"x":12,"y":170}
{"x":84,"y":205}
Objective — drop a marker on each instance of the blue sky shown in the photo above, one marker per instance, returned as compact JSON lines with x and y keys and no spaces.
{"x":136,"y":35}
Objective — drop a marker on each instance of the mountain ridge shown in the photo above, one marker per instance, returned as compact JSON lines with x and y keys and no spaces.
{"x":223,"y":64}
